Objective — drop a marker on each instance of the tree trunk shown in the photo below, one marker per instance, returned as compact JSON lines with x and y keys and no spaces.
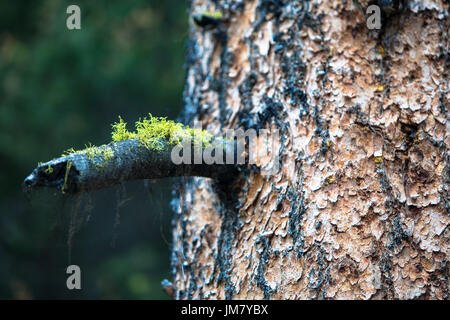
{"x":360,"y":206}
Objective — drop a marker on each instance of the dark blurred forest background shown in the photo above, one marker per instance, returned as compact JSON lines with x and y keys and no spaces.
{"x":63,"y":88}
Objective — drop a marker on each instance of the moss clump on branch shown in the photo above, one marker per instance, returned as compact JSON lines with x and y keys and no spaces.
{"x":151,"y":131}
{"x":98,"y":156}
{"x":145,"y":153}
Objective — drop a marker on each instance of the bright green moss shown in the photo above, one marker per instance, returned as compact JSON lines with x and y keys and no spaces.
{"x":153,"y":131}
{"x":107,"y":154}
{"x":120,"y":131}
{"x":49,"y":169}
{"x":98,"y":155}
{"x":214,"y":14}
{"x":93,"y":152}
{"x":69,"y":152}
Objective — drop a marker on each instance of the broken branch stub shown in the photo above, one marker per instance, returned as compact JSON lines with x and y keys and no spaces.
{"x":126,"y":160}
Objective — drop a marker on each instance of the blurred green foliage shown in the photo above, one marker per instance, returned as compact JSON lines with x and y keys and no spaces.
{"x":59,"y":89}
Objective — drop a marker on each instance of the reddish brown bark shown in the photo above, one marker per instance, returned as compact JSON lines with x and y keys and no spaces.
{"x":360,"y":209}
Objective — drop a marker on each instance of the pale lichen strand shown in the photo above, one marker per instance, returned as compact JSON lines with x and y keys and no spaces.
{"x":64,"y":186}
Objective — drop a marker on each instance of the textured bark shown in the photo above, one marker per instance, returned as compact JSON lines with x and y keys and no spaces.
{"x":360,"y":209}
